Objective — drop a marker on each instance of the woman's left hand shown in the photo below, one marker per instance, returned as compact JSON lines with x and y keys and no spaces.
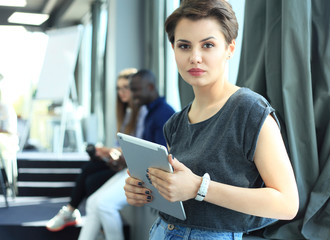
{"x":180,"y":185}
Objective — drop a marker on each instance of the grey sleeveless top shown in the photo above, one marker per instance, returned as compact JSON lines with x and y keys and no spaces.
{"x":223,"y":146}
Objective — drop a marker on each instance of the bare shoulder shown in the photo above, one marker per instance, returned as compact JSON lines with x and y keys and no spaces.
{"x":271,"y":156}
{"x":270,"y":138}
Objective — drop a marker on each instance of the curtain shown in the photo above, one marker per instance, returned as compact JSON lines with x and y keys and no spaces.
{"x":154,"y":58}
{"x":98,"y":63}
{"x":158,"y":53}
{"x":286,"y":58}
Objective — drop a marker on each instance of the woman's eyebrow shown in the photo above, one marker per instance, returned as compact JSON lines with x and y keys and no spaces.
{"x":203,"y":40}
{"x":208,"y":38}
{"x":182,"y":40}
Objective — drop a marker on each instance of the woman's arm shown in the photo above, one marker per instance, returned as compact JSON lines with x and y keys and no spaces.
{"x":279,"y":199}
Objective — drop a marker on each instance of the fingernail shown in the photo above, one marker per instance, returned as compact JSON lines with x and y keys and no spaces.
{"x":149,"y":197}
{"x":147,"y":176}
{"x":147,"y":170}
{"x":140,"y":183}
{"x":147,"y":192}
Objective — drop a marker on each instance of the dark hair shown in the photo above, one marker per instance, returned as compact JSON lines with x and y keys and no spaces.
{"x":145,"y":75}
{"x":221,"y":10}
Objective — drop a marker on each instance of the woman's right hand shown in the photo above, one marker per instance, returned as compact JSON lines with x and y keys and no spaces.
{"x":136,"y":194}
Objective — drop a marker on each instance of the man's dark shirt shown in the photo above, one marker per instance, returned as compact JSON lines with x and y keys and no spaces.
{"x":158,"y":113}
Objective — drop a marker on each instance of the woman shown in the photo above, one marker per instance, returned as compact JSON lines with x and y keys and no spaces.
{"x":231,"y":168}
{"x":97,"y":171}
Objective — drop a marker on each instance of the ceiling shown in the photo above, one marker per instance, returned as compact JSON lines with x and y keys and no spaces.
{"x":62,"y":12}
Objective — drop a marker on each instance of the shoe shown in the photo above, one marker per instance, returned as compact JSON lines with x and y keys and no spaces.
{"x":64,"y":218}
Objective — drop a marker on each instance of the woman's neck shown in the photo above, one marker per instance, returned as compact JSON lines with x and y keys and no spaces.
{"x":209,"y":100}
{"x":212,"y":94}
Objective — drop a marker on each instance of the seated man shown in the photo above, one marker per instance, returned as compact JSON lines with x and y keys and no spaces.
{"x":103,"y":206}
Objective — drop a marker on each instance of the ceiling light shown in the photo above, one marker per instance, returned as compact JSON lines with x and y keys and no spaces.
{"x":28,"y":18}
{"x":13,"y":3}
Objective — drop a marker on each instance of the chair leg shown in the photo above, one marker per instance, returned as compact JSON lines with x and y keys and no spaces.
{"x":4,"y":188}
{"x":13,"y":185}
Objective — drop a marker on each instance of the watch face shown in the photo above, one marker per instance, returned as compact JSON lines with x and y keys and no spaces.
{"x":115,"y":154}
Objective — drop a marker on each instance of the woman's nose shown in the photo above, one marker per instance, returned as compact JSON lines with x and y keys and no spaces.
{"x":195,"y":58}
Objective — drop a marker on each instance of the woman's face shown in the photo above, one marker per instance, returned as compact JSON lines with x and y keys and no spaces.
{"x":201,"y":51}
{"x":123,"y":90}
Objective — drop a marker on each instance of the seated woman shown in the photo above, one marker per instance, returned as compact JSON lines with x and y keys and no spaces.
{"x":97,"y":171}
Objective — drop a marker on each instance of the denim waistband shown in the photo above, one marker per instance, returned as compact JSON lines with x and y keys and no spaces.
{"x":163,"y":230}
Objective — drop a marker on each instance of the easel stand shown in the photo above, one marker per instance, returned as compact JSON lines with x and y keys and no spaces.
{"x":66,"y":122}
{"x":69,"y":122}
{"x":57,"y":84}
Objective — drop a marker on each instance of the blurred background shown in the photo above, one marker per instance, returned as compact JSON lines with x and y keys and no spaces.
{"x":59,"y":73}
{"x":58,"y":70}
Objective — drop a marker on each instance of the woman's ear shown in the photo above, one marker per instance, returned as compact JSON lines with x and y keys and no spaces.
{"x":231,"y":48}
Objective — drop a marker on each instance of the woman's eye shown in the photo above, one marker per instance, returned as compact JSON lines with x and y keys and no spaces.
{"x":123,"y":88}
{"x":208,"y":45}
{"x":183,"y":46}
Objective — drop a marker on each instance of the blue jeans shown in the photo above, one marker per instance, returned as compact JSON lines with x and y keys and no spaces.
{"x":162,"y":230}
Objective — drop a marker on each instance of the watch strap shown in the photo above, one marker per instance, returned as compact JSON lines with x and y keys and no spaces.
{"x":203,"y":187}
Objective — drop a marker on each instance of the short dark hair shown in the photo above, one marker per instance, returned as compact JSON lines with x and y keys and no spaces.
{"x":145,"y":75}
{"x":221,"y":10}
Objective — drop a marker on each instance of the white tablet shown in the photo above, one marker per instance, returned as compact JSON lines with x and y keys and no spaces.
{"x":141,"y":154}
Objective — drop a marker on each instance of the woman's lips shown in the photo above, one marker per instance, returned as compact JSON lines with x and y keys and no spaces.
{"x":196,"y":71}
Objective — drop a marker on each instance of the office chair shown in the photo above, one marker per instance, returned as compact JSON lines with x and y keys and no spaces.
{"x":3,"y":179}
